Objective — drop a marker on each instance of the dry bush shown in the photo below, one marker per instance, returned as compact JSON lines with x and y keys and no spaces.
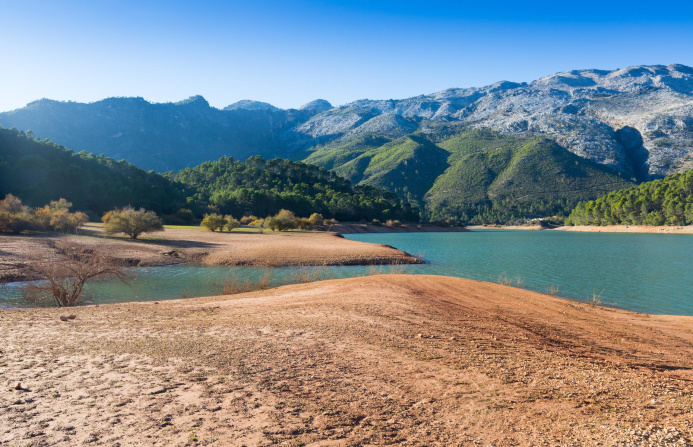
{"x":63,"y":276}
{"x":302,"y":275}
{"x":234,"y":283}
{"x":552,"y":290}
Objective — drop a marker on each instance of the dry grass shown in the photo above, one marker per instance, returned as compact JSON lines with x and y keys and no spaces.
{"x":552,"y":290}
{"x":234,"y":283}
{"x":596,"y":299}
{"x":302,"y":275}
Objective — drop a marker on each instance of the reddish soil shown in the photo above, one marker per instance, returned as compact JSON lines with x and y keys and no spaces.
{"x":381,"y":360}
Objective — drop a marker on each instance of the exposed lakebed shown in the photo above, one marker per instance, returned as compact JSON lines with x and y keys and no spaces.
{"x":650,"y":273}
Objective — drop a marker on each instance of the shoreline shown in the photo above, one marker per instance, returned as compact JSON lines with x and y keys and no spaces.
{"x":331,"y":362}
{"x":197,"y":247}
{"x":404,"y":228}
{"x":674,"y":229}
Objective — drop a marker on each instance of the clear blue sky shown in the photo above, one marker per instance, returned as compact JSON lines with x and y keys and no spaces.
{"x":290,"y":52}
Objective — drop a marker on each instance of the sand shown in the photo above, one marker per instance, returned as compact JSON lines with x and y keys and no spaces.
{"x":194,"y":245}
{"x":382,"y":360}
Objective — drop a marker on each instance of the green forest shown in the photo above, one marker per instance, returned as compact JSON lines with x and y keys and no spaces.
{"x":667,"y":201}
{"x":262,"y":188}
{"x":39,"y":172}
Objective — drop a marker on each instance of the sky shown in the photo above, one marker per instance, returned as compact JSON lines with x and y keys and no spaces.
{"x":289,"y":52}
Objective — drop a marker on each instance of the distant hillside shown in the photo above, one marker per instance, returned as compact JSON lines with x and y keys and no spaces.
{"x":261,"y":188}
{"x":477,"y":176}
{"x":637,"y":120}
{"x":668,"y":201}
{"x":41,"y":171}
{"x":162,"y":137}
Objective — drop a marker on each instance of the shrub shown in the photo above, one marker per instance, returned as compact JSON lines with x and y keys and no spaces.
{"x":213,"y":222}
{"x":248,"y":220}
{"x":316,"y":219}
{"x":231,"y":223}
{"x":303,"y":224}
{"x":12,"y":204}
{"x":284,"y":220}
{"x":64,"y":276}
{"x":131,"y":221}
{"x":17,"y":218}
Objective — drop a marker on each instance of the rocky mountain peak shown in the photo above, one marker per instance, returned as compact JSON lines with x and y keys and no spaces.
{"x":318,"y":105}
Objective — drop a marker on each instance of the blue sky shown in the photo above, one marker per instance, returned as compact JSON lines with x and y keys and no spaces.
{"x":290,"y":52}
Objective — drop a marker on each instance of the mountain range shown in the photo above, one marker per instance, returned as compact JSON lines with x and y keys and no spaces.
{"x":502,"y":151}
{"x":638,"y":120}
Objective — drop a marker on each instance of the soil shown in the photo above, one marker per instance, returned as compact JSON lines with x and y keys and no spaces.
{"x":194,"y":245}
{"x":380,"y":360}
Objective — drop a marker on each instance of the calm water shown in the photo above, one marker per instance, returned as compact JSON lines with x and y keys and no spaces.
{"x":644,"y":272}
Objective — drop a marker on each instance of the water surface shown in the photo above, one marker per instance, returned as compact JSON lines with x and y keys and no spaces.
{"x":650,"y":273}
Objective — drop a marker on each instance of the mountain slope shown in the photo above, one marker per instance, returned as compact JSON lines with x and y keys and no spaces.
{"x":40,"y":171}
{"x":162,"y":137}
{"x":638,"y":120}
{"x":476,"y":175}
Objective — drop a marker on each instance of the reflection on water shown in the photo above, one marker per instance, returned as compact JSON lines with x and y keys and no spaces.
{"x":644,"y":272}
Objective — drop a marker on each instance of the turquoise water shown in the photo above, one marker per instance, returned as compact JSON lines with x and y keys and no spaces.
{"x":643,"y":272}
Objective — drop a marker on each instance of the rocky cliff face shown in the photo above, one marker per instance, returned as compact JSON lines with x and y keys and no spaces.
{"x":638,"y":120}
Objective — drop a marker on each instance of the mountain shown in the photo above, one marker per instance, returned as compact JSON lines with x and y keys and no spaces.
{"x":666,"y":201}
{"x":474,"y":175}
{"x":637,"y":120}
{"x":161,"y":137}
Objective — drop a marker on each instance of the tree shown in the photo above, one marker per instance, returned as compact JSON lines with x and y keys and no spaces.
{"x":231,"y":223}
{"x":131,"y":221}
{"x":65,"y":274}
{"x":303,"y":224}
{"x":213,"y":222}
{"x":316,"y":219}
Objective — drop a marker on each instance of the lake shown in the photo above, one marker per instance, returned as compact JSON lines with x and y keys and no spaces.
{"x":650,"y":273}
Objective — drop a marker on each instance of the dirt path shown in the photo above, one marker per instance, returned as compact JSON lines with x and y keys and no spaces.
{"x":383,"y":360}
{"x":194,"y":245}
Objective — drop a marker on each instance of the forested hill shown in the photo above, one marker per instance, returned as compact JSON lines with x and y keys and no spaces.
{"x":261,"y":188}
{"x":41,"y":171}
{"x":475,"y":176}
{"x":668,"y":201}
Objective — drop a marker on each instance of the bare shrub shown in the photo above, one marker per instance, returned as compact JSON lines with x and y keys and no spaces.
{"x":552,"y":290}
{"x":63,"y":276}
{"x":302,"y":275}
{"x":234,"y":283}
{"x":596,"y":298}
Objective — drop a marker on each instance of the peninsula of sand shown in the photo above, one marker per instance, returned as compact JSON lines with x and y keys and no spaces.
{"x":197,"y":246}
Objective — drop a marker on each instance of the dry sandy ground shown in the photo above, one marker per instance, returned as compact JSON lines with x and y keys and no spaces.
{"x":595,"y":229}
{"x":382,"y":360}
{"x":195,"y":245}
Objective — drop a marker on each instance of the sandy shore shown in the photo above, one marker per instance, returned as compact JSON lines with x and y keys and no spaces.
{"x":594,"y":228}
{"x":392,"y":359}
{"x":194,"y":245}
